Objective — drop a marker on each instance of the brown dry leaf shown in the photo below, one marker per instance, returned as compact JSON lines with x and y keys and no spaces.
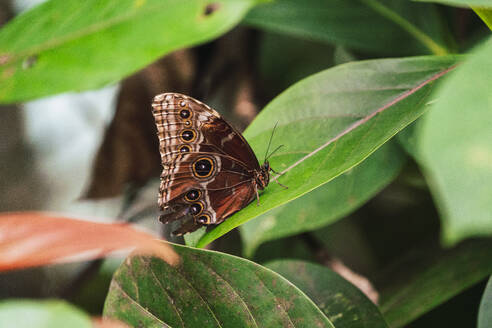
{"x":29,"y":239}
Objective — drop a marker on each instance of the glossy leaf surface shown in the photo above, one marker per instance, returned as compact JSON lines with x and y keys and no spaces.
{"x":207,"y":289}
{"x":328,"y":203}
{"x":68,"y":45}
{"x":331,"y":121}
{"x":343,"y":303}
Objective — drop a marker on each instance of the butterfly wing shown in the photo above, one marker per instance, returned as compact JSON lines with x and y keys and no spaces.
{"x":208,"y":167}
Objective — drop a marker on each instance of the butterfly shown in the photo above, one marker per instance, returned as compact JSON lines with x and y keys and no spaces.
{"x":209,"y":169}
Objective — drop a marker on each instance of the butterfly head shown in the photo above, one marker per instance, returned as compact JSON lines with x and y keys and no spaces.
{"x":263,"y":176}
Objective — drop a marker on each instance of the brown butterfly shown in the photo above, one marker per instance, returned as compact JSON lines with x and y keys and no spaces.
{"x":209,"y":169}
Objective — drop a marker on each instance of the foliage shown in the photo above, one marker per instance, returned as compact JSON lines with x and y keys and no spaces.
{"x":27,"y":313}
{"x":341,"y":79}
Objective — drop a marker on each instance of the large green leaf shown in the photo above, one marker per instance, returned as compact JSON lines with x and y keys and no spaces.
{"x":65,"y":45}
{"x":485,"y":312}
{"x":385,"y":26}
{"x":344,"y":304}
{"x":455,"y":148}
{"x":207,"y":289}
{"x":328,"y":203}
{"x":332,"y":121}
{"x":426,"y":280}
{"x":41,"y":314}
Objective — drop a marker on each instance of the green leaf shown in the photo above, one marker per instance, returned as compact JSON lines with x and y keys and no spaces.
{"x":483,"y":8}
{"x":69,"y":45}
{"x":485,"y":14}
{"x":344,"y":304}
{"x":49,"y":314}
{"x":454,"y":142}
{"x":460,"y":3}
{"x":328,"y":203}
{"x":207,"y":289}
{"x":385,"y":9}
{"x":384,"y":26}
{"x":331,"y":121}
{"x":429,"y":279}
{"x":191,"y":239}
{"x":485,"y":312}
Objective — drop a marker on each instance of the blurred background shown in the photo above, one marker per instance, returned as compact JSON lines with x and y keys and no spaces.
{"x":94,"y":155}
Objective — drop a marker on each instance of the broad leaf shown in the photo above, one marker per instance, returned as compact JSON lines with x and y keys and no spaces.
{"x":485,"y":312}
{"x":67,"y":45}
{"x":328,"y":203}
{"x":207,"y":289}
{"x":42,"y":314}
{"x":424,"y":281}
{"x":384,"y":26}
{"x":455,"y":146}
{"x":331,"y":121}
{"x":33,"y":239}
{"x":344,"y":304}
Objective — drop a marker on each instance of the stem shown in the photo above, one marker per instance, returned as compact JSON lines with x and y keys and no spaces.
{"x":417,"y":33}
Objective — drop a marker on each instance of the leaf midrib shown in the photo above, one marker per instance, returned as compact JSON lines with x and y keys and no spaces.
{"x":228,"y":284}
{"x":419,"y":85}
{"x":338,"y":91}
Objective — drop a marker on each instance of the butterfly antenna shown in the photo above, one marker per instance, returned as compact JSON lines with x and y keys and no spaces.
{"x":270,"y":142}
{"x":273,"y":152}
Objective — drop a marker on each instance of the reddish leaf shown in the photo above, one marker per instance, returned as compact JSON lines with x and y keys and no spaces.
{"x":30,"y":239}
{"x":108,"y":323}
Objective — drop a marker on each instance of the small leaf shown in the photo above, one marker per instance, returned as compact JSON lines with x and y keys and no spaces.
{"x":42,"y":314}
{"x":485,"y":312}
{"x":32,"y":239}
{"x":328,"y":203}
{"x":67,"y":45}
{"x":344,"y":304}
{"x":455,"y":148}
{"x":331,"y":121}
{"x":207,"y":289}
{"x":426,"y":280}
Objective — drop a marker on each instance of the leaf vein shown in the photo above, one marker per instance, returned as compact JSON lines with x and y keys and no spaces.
{"x":147,"y":263}
{"x":138,"y":305}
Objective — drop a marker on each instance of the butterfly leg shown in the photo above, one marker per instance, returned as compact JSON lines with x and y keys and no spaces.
{"x":257,"y":195}
{"x":275,"y":178}
{"x":188,"y":226}
{"x":281,"y":185}
{"x":271,"y":169}
{"x":173,"y":214}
